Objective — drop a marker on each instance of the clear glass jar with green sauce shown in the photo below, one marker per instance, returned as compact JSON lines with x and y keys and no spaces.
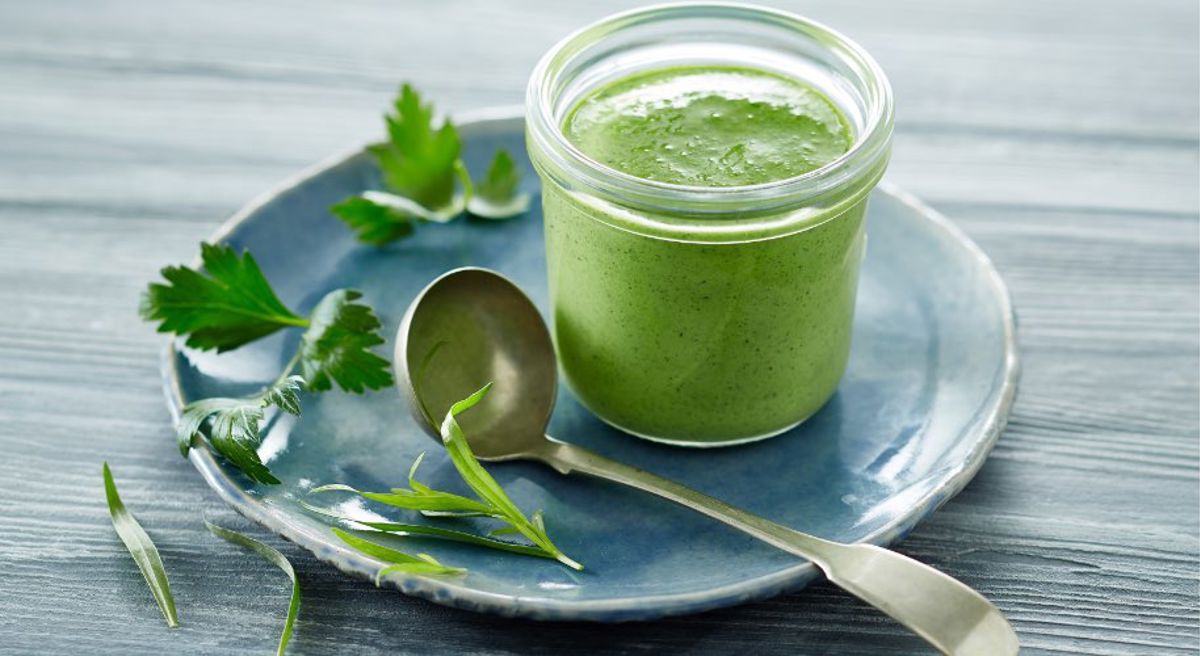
{"x":705,"y":172}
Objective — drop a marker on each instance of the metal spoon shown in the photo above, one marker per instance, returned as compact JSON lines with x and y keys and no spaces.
{"x":481,"y":327}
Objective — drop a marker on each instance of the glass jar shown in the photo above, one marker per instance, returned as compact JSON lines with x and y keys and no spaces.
{"x":705,"y":316}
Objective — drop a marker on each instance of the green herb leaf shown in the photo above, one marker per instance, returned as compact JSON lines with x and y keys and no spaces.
{"x":422,"y":530}
{"x":229,"y":305}
{"x":142,"y":549}
{"x":381,"y":218}
{"x":496,"y":197}
{"x":279,"y":560}
{"x":336,"y":347}
{"x":234,"y":429}
{"x":375,"y":222}
{"x":486,"y":487}
{"x":418,"y":161}
{"x":402,"y":562}
{"x":433,"y":502}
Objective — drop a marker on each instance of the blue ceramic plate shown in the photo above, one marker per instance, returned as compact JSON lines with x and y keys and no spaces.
{"x":930,"y":382}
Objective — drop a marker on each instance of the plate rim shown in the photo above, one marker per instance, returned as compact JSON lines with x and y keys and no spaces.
{"x":450,"y":592}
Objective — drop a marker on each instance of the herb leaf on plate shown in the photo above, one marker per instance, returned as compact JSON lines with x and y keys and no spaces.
{"x":235,"y":423}
{"x":492,"y":502}
{"x":337,"y":345}
{"x":401,"y":562}
{"x":233,"y":304}
{"x":375,"y":222}
{"x":424,"y":530}
{"x":229,"y":305}
{"x":418,"y":161}
{"x":486,"y":487}
{"x":276,"y":558}
{"x":420,"y":164}
{"x":142,"y":549}
{"x":496,"y":195}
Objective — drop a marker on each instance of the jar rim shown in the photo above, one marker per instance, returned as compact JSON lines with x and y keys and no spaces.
{"x":867,"y":155}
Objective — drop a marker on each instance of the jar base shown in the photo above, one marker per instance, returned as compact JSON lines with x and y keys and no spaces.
{"x":708,"y":444}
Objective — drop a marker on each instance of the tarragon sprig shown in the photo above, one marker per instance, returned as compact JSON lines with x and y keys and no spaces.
{"x":491,"y":500}
{"x":421,"y":168}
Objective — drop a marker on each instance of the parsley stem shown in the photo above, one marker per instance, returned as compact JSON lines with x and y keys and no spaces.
{"x":288,"y":368}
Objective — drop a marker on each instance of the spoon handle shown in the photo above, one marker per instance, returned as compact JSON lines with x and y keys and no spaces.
{"x":942,"y":610}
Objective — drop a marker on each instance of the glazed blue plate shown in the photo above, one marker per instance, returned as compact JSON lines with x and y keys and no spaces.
{"x":931,"y":379}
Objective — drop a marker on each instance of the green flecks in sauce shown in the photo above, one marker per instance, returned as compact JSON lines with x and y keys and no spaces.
{"x":709,"y":126}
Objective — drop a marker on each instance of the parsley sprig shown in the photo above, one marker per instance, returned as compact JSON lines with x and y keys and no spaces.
{"x":421,"y":169}
{"x":230,"y":303}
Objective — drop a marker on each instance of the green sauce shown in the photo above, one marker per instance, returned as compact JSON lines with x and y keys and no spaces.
{"x":709,"y":127}
{"x":697,"y":342}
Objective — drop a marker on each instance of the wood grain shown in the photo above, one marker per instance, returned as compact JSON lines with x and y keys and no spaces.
{"x":1061,"y":134}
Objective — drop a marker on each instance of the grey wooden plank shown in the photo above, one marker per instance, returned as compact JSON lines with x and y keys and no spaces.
{"x":1061,"y":135}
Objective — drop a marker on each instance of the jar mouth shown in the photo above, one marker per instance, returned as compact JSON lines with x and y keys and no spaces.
{"x":711,"y":33}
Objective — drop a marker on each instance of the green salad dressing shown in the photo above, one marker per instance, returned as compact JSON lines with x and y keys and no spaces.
{"x":709,"y":126}
{"x":694,"y":341}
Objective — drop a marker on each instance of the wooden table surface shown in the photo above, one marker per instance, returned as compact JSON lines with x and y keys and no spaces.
{"x":1061,"y":134}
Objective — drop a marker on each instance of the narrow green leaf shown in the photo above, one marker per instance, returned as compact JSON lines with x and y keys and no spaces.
{"x":486,"y":487}
{"x":402,"y":561}
{"x":433,"y":501}
{"x":276,"y":558}
{"x":142,"y":549}
{"x":422,"y":530}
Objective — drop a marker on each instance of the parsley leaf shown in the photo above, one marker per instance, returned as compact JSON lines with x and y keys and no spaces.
{"x":376,"y":223}
{"x":234,"y":424}
{"x":418,"y":161}
{"x":380,"y":218}
{"x":496,"y":195}
{"x":232,"y":305}
{"x":336,"y":346}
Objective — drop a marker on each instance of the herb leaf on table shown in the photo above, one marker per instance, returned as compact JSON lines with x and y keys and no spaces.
{"x":142,"y":549}
{"x":230,"y":306}
{"x":276,"y":558}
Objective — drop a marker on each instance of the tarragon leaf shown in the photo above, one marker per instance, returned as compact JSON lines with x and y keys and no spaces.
{"x":235,"y":422}
{"x":142,"y":549}
{"x":401,"y":562}
{"x":418,"y":160}
{"x":273,"y":556}
{"x":433,"y":502}
{"x":229,"y":304}
{"x":422,"y":530}
{"x":496,"y":196}
{"x":336,"y":346}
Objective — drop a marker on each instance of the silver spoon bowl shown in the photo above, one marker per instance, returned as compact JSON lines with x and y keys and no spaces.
{"x":472,"y":326}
